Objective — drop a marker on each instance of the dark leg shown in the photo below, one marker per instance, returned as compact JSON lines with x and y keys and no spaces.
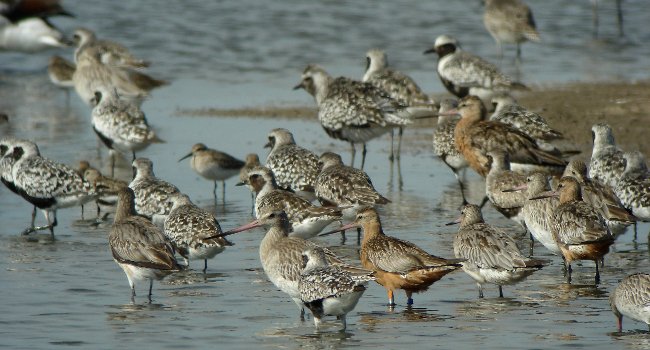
{"x":597,"y":273}
{"x":214,"y":192}
{"x":400,"y":182}
{"x":568,"y":272}
{"x":150,"y":288}
{"x":252,"y":203}
{"x":110,"y":154}
{"x":133,"y":293}
{"x":500,"y":292}
{"x":363,"y":156}
{"x":460,"y":181}
{"x":635,"y":228}
{"x":399,"y":142}
{"x":532,"y":245}
{"x":619,"y":17}
{"x":223,"y":191}
{"x":205,"y":265}
{"x":33,"y":217}
{"x":353,"y":153}
{"x":485,"y":200}
{"x":594,"y":10}
{"x":82,"y":212}
{"x":343,"y":237}
{"x":409,"y":300}
{"x":480,"y":291}
{"x":391,"y":157}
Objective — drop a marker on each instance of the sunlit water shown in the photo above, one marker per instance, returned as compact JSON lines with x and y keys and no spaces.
{"x":241,"y":54}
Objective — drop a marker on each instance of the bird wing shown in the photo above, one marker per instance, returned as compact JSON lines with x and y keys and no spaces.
{"x":138,"y":242}
{"x":488,"y":247}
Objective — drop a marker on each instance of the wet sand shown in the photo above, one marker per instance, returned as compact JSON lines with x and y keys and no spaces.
{"x":572,"y":109}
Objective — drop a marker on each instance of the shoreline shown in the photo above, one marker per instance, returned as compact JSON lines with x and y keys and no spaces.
{"x":571,"y":108}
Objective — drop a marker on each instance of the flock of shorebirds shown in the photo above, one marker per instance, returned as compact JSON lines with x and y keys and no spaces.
{"x":578,"y":218}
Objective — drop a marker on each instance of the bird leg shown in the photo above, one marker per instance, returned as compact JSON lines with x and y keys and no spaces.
{"x":500,"y":292}
{"x":391,"y":299}
{"x":358,"y":235}
{"x":214,"y":192}
{"x":597,"y":273}
{"x":33,"y":216}
{"x":619,"y":17}
{"x":150,"y":288}
{"x":480,"y":291}
{"x":344,"y":323}
{"x":409,"y":300}
{"x":353,"y":153}
{"x":594,"y":10}
{"x":391,"y":157}
{"x":568,"y":272}
{"x":223,"y":191}
{"x":485,"y":200}
{"x":399,"y":143}
{"x":205,"y":265}
{"x":363,"y":156}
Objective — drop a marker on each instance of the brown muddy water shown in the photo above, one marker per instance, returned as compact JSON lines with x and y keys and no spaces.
{"x":246,"y":56}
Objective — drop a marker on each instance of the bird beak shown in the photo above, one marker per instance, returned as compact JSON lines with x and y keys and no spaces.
{"x":187,"y":156}
{"x":431,"y":50}
{"x":546,"y":194}
{"x":268,"y":145}
{"x":517,"y":188}
{"x":251,"y":225}
{"x":340,"y":229}
{"x":455,"y":222}
{"x":240,"y":184}
{"x":451,"y":112}
{"x":299,"y":86}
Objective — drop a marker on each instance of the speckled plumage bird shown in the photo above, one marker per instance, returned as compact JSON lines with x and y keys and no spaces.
{"x":345,"y":187}
{"x":252,"y":160}
{"x":47,"y":184}
{"x":631,"y":298}
{"x":152,"y":195}
{"x":510,"y":22}
{"x":138,"y":246}
{"x":579,"y":231}
{"x":444,"y":145}
{"x":507,"y":111}
{"x":192,"y":230}
{"x":295,"y":168}
{"x":397,"y":264}
{"x":329,"y":290}
{"x":633,"y":188}
{"x":491,"y":256}
{"x":307,"y":220}
{"x":7,"y":162}
{"x":607,"y":163}
{"x":475,"y":136}
{"x":281,"y":255}
{"x":398,"y":85}
{"x":60,"y":72}
{"x":108,"y":52}
{"x":214,"y":166}
{"x":353,"y":111}
{"x":464,"y":74}
{"x":121,"y":125}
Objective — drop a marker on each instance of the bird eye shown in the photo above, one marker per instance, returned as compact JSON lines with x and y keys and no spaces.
{"x":272,"y":215}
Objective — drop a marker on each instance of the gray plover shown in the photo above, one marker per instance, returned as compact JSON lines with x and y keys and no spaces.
{"x":214,"y":166}
{"x":631,"y":298}
{"x":281,"y":255}
{"x":491,"y":256}
{"x":444,"y":145}
{"x":121,"y":125}
{"x":510,"y":22}
{"x":342,"y":186}
{"x":138,"y":246}
{"x":307,"y":220}
{"x":397,"y":264}
{"x":295,"y":168}
{"x":92,"y":75}
{"x":601,"y":197}
{"x":465,"y":74}
{"x":47,"y":184}
{"x":633,"y":188}
{"x":252,"y":160}
{"x":192,"y":231}
{"x":109,"y":52}
{"x":607,"y":163}
{"x":7,"y":162}
{"x":152,"y":195}
{"x":507,"y":111}
{"x":329,"y":290}
{"x":474,"y":137}
{"x":352,"y":111}
{"x":538,"y":213}
{"x":398,"y":85}
{"x":579,"y":231}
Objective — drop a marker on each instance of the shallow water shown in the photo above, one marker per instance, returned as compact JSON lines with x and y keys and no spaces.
{"x":228,"y":55}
